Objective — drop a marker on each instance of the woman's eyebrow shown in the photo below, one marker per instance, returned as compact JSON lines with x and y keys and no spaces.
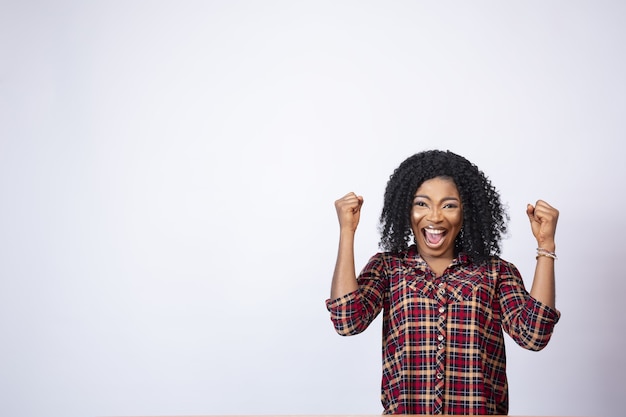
{"x":443,"y":199}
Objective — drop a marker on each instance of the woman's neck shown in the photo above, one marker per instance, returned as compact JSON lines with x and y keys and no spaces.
{"x":438,"y":264}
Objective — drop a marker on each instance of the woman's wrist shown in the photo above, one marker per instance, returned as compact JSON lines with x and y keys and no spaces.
{"x":548,"y":245}
{"x":543,"y":252}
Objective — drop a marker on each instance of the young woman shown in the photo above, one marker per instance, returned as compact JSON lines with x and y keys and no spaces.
{"x":445,"y":294}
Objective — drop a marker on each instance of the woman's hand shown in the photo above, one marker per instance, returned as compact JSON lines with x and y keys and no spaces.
{"x":344,"y":278}
{"x":543,"y":218}
{"x":349,"y":211}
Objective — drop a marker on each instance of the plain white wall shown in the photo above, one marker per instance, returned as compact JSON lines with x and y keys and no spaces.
{"x":168,"y":171}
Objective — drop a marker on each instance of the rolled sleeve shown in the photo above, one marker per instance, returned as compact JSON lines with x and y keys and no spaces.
{"x":528,"y":321}
{"x":537,"y":322}
{"x":346,"y":313}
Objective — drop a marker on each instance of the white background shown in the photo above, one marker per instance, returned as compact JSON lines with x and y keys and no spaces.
{"x":168,"y":171}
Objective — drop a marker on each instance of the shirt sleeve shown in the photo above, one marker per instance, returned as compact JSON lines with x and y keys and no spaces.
{"x":529,"y":322}
{"x":352,"y":313}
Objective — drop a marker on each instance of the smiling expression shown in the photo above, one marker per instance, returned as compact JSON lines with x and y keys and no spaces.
{"x":436,"y":218}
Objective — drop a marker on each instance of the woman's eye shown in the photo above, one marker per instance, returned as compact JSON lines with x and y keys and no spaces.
{"x":452,"y":206}
{"x":420,"y":204}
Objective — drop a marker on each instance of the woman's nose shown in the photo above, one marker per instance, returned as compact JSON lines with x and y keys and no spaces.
{"x":435,"y":215}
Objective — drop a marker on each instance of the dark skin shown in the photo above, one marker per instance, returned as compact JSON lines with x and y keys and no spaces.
{"x":437,"y":212}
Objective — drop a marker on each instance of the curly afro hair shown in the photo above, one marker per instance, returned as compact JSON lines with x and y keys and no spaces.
{"x":484,"y":217}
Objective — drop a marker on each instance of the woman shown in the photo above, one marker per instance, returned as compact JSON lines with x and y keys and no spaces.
{"x":445,"y":294}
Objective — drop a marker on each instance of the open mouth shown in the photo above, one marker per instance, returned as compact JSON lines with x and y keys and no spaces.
{"x":434,"y":237}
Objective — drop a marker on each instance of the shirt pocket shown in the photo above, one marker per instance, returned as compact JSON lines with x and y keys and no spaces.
{"x":424,"y":288}
{"x":462,"y":290}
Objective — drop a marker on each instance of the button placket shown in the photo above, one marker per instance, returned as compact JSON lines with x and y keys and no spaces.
{"x":442,"y":311}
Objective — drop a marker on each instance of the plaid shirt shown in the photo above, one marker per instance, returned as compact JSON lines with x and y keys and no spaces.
{"x":443,"y":345}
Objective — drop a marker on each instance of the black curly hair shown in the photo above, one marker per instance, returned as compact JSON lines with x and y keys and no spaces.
{"x":484,"y":217}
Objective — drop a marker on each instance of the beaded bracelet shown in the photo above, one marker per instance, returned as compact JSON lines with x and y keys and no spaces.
{"x":546,"y":253}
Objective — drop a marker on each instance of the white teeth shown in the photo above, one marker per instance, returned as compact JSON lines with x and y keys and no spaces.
{"x":434,"y":231}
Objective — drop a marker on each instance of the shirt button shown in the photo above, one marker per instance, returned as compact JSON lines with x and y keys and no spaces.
{"x":441,"y":285}
{"x":439,"y":376}
{"x":442,"y":309}
{"x":442,"y":291}
{"x":440,"y":346}
{"x":440,"y":337}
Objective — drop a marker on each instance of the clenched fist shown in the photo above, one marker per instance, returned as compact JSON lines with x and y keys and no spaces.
{"x":543,"y":218}
{"x":349,"y":211}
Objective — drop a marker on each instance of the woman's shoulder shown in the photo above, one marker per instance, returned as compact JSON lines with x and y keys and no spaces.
{"x":501,"y":266}
{"x":407,"y":256}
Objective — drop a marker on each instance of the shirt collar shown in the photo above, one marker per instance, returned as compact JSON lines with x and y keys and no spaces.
{"x":412,"y":257}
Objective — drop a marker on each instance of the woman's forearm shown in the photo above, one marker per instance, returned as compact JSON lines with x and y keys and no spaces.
{"x":543,"y":219}
{"x":543,"y":287}
{"x":344,"y":277}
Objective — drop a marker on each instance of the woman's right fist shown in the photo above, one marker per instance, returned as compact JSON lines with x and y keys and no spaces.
{"x":349,"y":211}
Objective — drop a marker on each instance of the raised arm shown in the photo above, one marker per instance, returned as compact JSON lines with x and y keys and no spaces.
{"x":543,"y":219}
{"x":348,"y":212}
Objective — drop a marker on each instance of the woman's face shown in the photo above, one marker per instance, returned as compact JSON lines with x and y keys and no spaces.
{"x":436,"y":218}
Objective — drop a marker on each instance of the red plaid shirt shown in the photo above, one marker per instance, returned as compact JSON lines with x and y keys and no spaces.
{"x":443,"y":345}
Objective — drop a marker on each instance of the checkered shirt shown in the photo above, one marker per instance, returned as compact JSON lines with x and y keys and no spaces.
{"x":443,"y":342}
